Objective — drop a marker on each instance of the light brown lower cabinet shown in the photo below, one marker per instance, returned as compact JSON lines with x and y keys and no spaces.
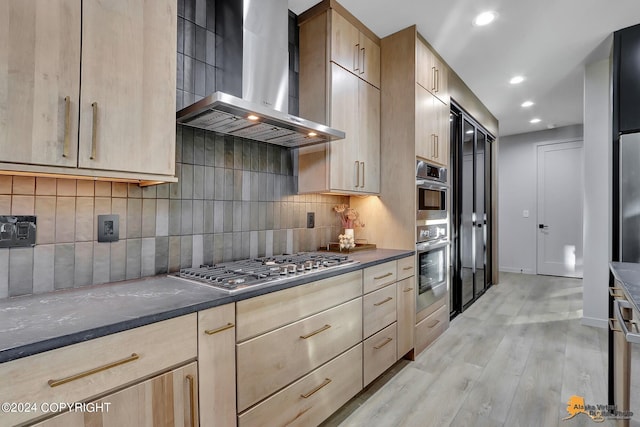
{"x":217,"y":366}
{"x":379,"y":353}
{"x":311,"y":399}
{"x":406,"y":314}
{"x":167,"y":400}
{"x":431,"y":327}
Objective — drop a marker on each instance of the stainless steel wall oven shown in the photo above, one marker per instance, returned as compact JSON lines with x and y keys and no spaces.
{"x":432,"y":259}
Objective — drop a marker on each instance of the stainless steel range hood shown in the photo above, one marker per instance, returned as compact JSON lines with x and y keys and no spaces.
{"x":262,"y":112}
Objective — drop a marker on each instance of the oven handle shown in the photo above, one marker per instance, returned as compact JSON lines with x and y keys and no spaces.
{"x":425,"y":247}
{"x":431,"y":185}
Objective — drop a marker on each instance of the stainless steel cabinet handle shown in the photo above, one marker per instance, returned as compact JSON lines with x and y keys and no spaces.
{"x":316,"y":332}
{"x":315,"y":389}
{"x":409,"y":267}
{"x":192,"y":399}
{"x":362,"y":186}
{"x":437,"y":82}
{"x":94,"y":130}
{"x":383,"y":276}
{"x":55,"y":383}
{"x":614,"y":292}
{"x":356,"y":57}
{"x":433,"y":79}
{"x":220,"y":329}
{"x":379,"y":346}
{"x":362,"y":70}
{"x":67,"y":126}
{"x":629,"y":336}
{"x":357,"y":169}
{"x":387,"y":299}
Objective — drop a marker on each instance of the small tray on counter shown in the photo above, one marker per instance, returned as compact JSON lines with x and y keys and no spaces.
{"x":335,"y":247}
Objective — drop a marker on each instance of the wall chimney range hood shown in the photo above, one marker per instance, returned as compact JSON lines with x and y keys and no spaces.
{"x":262,"y":112}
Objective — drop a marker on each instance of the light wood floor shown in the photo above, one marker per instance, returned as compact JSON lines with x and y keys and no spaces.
{"x":512,"y":359}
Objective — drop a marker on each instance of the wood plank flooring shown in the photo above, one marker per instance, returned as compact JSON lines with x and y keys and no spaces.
{"x":512,"y":359}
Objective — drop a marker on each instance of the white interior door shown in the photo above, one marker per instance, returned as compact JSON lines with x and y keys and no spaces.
{"x":560,"y":209}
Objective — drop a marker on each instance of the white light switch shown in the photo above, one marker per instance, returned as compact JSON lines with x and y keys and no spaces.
{"x":525,"y":213}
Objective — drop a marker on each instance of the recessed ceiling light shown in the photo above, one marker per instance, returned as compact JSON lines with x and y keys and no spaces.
{"x":485,"y":18}
{"x":536,"y":120}
{"x":252,"y":117}
{"x":516,"y":79}
{"x":526,"y":104}
{"x":312,"y":134}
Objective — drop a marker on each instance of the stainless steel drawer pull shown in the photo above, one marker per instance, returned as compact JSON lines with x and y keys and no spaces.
{"x":383,"y":301}
{"x":629,"y":336}
{"x":383,"y":276}
{"x":220,"y":329}
{"x":309,"y":394}
{"x":433,"y":325}
{"x":192,"y":400}
{"x":94,"y":131}
{"x":316,"y":332}
{"x":386,"y":341}
{"x":612,"y":325}
{"x":55,"y":383}
{"x":617,"y":292}
{"x":67,"y":127}
{"x":408,"y":290}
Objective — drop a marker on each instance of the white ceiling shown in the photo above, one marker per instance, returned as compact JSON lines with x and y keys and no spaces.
{"x":547,"y":41}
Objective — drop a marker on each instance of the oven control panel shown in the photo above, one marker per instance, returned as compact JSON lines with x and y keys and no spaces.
{"x":427,"y":233}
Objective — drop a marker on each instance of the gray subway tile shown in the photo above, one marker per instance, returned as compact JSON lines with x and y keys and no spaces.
{"x":237,"y":214}
{"x":207,"y":249}
{"x":228,"y":216}
{"x":163,"y":191}
{"x":119,"y":207}
{"x":134,"y":190}
{"x":197,"y":250}
{"x":208,"y":209}
{"x":245,"y":219}
{"x":263,"y":187}
{"x":277,"y":206}
{"x":246,"y":185}
{"x":186,"y":251}
{"x":84,"y":219}
{"x":45,"y":186}
{"x":174,"y":253}
{"x":271,"y":153}
{"x":255,"y":187}
{"x":85,"y":188}
{"x":148,"y":218}
{"x":179,"y":132}
{"x":102,"y":189}
{"x":118,"y":260}
{"x":22,"y":205}
{"x":210,"y":149}
{"x":263,"y":158}
{"x":175,"y":215}
{"x":237,"y":184}
{"x":186,"y":226}
{"x":218,"y":248}
{"x":134,"y":259}
{"x":187,"y":181}
{"x":262,"y":215}
{"x":198,"y":146}
{"x":5,"y":205}
{"x":65,"y":220}
{"x":253,"y":244}
{"x":46,"y":216}
{"x":218,"y":216}
{"x":227,"y":251}
{"x":255,"y":156}
{"x":176,"y":187}
{"x":219,"y":184}
{"x":237,"y":246}
{"x":148,"y":257}
{"x":254,"y":221}
{"x":269,"y":216}
{"x":262,"y":239}
{"x":102,"y":206}
{"x":101,"y":262}
{"x":20,"y":271}
{"x":268,"y":247}
{"x":24,"y":185}
{"x":228,"y":184}
{"x":162,"y":255}
{"x":219,"y":150}
{"x":83,"y":274}
{"x":198,"y":182}
{"x":43,"y":268}
{"x":150,"y":192}
{"x":246,"y":154}
{"x":162,"y":217}
{"x":134,"y":219}
{"x":246,"y":243}
{"x":198,"y":217}
{"x":237,"y":153}
{"x":119,"y":189}
{"x":228,"y":152}
{"x":6,"y":184}
{"x":64,"y":270}
{"x":209,"y":183}
{"x":66,"y":187}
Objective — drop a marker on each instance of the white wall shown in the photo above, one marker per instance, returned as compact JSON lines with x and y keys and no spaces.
{"x":517,"y":173}
{"x":597,"y":194}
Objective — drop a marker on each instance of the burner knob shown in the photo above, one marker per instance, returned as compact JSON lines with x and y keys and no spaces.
{"x":291,"y":268}
{"x":284,"y":269}
{"x":308,"y":265}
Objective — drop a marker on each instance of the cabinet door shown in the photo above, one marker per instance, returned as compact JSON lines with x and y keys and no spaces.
{"x":168,"y":400}
{"x":441,"y":85}
{"x":425,"y":67}
{"x":217,"y":366}
{"x":344,"y":167}
{"x":39,"y":81}
{"x":369,"y":65}
{"x":441,"y":112}
{"x":127,"y":107}
{"x":369,"y":138}
{"x":345,"y":43}
{"x":425,"y":128}
{"x":406,"y":315}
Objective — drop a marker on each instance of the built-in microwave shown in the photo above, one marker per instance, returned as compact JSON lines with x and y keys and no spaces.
{"x":431,"y":191}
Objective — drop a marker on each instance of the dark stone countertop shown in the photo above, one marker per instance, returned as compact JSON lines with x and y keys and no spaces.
{"x":628,"y":274}
{"x":37,"y":323}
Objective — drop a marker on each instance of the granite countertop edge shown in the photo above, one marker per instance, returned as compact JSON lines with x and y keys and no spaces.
{"x":628,"y":274}
{"x":184,"y":297}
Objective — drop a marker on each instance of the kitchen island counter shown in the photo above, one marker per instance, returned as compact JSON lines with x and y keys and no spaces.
{"x":37,"y":323}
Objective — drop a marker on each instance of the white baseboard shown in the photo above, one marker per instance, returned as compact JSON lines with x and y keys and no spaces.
{"x":596,"y":323}
{"x":517,"y":270}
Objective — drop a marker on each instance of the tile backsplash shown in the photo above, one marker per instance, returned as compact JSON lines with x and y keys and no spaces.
{"x":235,"y":199}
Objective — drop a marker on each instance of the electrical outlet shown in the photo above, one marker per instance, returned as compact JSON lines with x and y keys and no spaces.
{"x":17,"y":231}
{"x":108,"y":228}
{"x":311,"y":219}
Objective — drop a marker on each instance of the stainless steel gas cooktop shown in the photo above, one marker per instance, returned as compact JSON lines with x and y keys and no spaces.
{"x":238,"y":276}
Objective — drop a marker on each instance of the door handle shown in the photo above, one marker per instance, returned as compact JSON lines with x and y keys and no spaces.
{"x":542,"y":226}
{"x":356,"y":57}
{"x":357,"y":170}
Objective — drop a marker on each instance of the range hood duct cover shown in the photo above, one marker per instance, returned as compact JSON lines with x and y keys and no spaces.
{"x":265,"y":87}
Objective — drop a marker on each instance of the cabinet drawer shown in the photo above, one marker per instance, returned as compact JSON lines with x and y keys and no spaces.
{"x":314,"y":397}
{"x":379,"y":275}
{"x":379,"y":353}
{"x":378,"y":309}
{"x":270,"y":311}
{"x":431,"y":328}
{"x":80,"y":371}
{"x":406,"y":267}
{"x":271,"y":361}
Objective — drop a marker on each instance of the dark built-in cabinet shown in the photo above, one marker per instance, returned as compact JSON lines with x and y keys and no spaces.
{"x":626,"y":80}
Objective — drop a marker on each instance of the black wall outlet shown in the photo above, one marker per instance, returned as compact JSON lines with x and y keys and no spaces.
{"x":108,"y":228}
{"x":311,"y":219}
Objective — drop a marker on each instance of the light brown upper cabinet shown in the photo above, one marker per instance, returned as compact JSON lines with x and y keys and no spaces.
{"x":431,"y":73}
{"x":117,"y":121}
{"x":353,"y":50}
{"x":341,"y":93}
{"x":432,"y":127}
